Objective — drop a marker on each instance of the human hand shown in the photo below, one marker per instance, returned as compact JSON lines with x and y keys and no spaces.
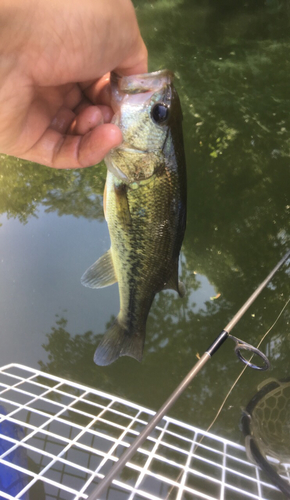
{"x":54,"y":77}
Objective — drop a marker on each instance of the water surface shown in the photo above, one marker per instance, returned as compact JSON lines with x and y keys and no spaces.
{"x":232,"y":73}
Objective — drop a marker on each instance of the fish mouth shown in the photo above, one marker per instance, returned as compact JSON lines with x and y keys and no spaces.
{"x":133,"y":150}
{"x":144,"y":82}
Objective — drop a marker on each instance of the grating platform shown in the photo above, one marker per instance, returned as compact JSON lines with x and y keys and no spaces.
{"x":59,"y":438}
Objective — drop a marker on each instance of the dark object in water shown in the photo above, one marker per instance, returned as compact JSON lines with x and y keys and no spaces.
{"x":12,"y":480}
{"x":266,"y":426}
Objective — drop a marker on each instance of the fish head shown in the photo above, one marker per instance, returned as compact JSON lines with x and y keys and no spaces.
{"x":143,"y":111}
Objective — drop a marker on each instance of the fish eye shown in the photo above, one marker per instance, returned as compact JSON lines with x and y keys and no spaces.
{"x":160,"y":113}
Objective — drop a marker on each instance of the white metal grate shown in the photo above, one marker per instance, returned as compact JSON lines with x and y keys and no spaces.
{"x":59,"y":438}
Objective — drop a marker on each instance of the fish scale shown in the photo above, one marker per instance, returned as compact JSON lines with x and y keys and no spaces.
{"x":145,"y":207}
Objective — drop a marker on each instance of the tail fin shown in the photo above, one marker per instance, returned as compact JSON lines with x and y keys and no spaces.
{"x":118,"y":342}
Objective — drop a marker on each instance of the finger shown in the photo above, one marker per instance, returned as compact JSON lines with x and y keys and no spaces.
{"x":99,"y":92}
{"x":84,"y":118}
{"x":74,"y":151}
{"x":96,"y":144}
{"x":136,"y":63}
{"x":73,"y":97}
{"x":85,"y":85}
{"x":82,"y":105}
{"x":63,"y":120}
{"x":106,"y":111}
{"x":88,"y":118}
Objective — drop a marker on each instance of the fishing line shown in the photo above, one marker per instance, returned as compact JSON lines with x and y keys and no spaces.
{"x":207,"y":355}
{"x":231,"y":389}
{"x":245,"y":367}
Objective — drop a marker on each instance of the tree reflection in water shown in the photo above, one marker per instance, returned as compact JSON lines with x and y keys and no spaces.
{"x":231,"y":63}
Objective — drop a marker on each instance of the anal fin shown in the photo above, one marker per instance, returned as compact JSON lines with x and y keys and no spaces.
{"x":174,"y":284}
{"x":101,"y":273}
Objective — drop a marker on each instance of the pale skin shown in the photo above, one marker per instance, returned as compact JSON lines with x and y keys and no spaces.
{"x":55,"y":59}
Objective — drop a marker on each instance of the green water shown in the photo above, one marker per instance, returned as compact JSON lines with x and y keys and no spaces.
{"x":232,"y":66}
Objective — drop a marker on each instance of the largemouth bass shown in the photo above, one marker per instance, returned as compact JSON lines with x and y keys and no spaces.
{"x":145,"y":208}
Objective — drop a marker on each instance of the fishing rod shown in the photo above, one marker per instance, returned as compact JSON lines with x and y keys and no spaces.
{"x":240,"y":345}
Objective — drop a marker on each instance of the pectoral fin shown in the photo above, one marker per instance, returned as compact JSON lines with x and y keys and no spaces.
{"x":122,"y":205}
{"x":101,"y":273}
{"x":112,"y":167}
{"x":105,"y":200}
